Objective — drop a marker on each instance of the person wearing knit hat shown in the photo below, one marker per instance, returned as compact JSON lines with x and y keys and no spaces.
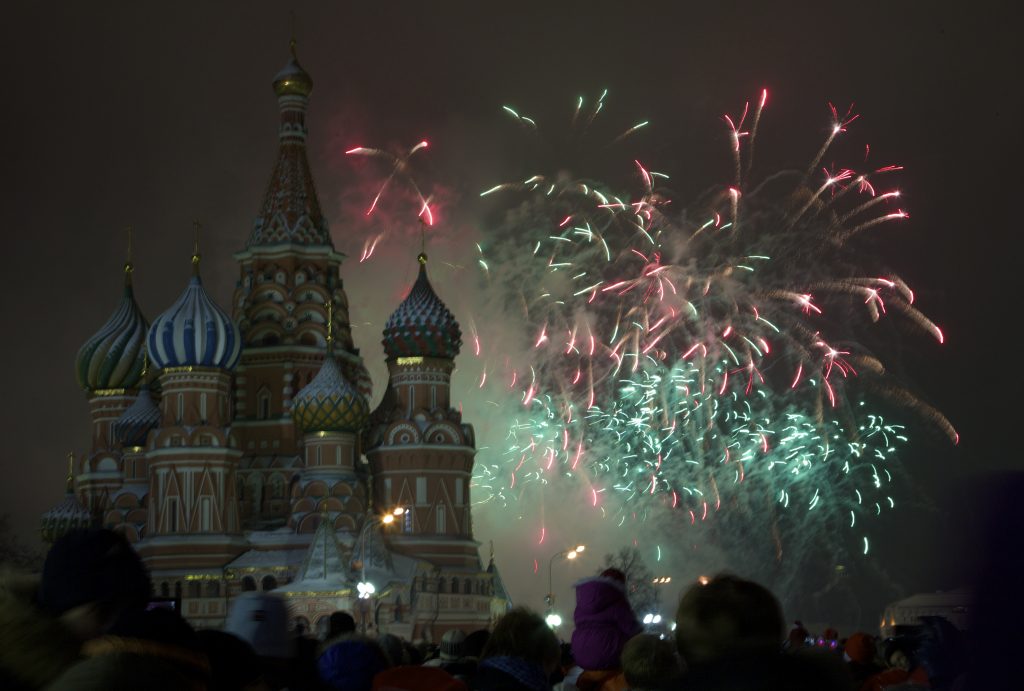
{"x":261,"y":620}
{"x":603,"y":620}
{"x":351,"y":664}
{"x":451,"y":649}
{"x":90,"y":579}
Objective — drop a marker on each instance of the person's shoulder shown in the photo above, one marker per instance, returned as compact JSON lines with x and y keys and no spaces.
{"x":34,"y":646}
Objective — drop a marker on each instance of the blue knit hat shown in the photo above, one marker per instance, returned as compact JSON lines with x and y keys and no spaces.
{"x":351,"y":664}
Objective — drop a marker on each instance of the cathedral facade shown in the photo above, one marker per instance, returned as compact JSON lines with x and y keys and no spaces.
{"x":238,"y":452}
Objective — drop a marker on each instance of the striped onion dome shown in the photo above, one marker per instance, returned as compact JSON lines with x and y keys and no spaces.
{"x":113,"y":357}
{"x":329,"y":403}
{"x":135,"y":422}
{"x":422,"y":325}
{"x":66,"y":516}
{"x":194,"y":332}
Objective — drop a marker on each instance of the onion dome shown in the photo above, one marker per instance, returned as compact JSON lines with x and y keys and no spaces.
{"x":291,"y":213}
{"x":67,"y":515}
{"x":112,"y":358}
{"x":329,"y":403}
{"x":293,"y":80}
{"x":194,"y":331}
{"x":132,"y":427}
{"x":422,"y":325}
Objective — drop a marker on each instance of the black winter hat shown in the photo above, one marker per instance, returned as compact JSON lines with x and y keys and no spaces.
{"x":93,"y":565}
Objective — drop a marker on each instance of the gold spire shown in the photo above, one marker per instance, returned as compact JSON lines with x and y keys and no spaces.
{"x":291,"y":44}
{"x":128,"y":266}
{"x":329,"y":306}
{"x":70,"y":479}
{"x":422,"y":258}
{"x":195,"y":248}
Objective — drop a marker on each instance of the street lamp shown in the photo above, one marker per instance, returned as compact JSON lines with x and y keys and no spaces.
{"x":366,"y":591}
{"x":365,"y":588}
{"x":568,"y":554}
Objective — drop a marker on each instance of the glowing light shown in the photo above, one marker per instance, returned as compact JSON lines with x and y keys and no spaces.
{"x":690,"y":351}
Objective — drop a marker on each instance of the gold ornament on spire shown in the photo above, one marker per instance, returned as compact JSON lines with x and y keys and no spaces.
{"x":195,"y":248}
{"x":422,"y":258}
{"x":70,"y":479}
{"x":329,"y":306}
{"x":128,"y":266}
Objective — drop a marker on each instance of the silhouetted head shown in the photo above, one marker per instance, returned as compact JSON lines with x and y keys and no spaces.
{"x":524,"y":634}
{"x":341,"y":623}
{"x":728,"y":617}
{"x":90,"y":579}
{"x":651,"y":663}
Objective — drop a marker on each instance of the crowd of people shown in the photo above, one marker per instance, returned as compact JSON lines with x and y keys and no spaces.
{"x":84,"y":624}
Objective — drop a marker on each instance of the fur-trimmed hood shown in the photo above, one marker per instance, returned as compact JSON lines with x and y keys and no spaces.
{"x":604,"y":622}
{"x":34,"y":646}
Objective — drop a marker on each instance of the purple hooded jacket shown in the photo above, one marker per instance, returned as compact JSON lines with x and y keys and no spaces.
{"x":604,"y":622}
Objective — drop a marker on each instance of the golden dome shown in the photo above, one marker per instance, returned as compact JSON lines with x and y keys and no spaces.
{"x":293,"y":80}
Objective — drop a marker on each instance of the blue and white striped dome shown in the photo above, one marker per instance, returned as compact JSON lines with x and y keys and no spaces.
{"x":194,"y":332}
{"x":112,"y":358}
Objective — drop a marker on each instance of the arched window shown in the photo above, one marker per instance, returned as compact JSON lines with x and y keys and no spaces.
{"x":213,"y":589}
{"x":177,"y":589}
{"x":277,"y":486}
{"x":263,"y":403}
{"x":467,"y":587}
{"x":194,"y":589}
{"x":398,"y":609}
{"x":165,"y":590}
{"x":248,"y":584}
{"x":441,"y":585}
{"x":269,"y":583}
{"x":455,"y":585}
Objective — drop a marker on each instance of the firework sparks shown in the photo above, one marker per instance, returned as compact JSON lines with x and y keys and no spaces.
{"x":400,"y":167}
{"x":704,"y":363}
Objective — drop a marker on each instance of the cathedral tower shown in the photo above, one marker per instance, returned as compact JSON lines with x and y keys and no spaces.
{"x":420,"y":452}
{"x":289,"y":272}
{"x":192,"y":458}
{"x":332,"y":484}
{"x":109,"y":368}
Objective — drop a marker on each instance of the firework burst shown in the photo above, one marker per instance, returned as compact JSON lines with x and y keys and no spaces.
{"x":399,"y":168}
{"x":706,"y":366}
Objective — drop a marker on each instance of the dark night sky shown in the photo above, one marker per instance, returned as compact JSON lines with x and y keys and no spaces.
{"x":154,"y":116}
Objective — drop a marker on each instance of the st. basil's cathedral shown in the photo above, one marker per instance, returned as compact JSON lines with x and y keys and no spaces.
{"x":239,"y":453}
